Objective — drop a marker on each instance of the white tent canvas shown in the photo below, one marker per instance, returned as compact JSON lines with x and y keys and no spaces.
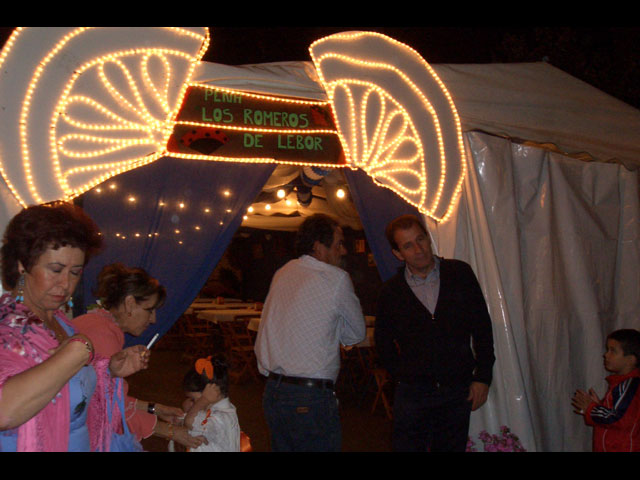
{"x":548,"y":219}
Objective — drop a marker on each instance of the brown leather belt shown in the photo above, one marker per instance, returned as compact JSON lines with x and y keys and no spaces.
{"x":306,"y":382}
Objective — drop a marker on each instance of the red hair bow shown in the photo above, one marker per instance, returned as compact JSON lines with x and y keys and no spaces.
{"x":205,"y":365}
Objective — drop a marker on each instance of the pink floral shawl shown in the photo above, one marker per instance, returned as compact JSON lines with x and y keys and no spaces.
{"x":24,"y":343}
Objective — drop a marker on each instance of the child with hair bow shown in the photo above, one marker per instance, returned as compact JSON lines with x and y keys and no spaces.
{"x":209,"y":410}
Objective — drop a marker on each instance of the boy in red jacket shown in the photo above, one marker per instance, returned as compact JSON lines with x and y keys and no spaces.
{"x":616,"y":418}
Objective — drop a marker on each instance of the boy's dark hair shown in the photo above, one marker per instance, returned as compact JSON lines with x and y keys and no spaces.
{"x":629,"y":340}
{"x":195,"y":382}
{"x":403,"y":222}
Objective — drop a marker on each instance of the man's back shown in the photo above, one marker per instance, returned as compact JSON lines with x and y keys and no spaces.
{"x":310,"y":309}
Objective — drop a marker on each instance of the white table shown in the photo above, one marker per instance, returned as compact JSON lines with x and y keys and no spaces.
{"x":226,"y":315}
{"x":367,"y":342}
{"x":254,"y":323}
{"x":198,"y":306}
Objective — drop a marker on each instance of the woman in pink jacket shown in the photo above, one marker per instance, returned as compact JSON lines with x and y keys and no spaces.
{"x":54,"y":386}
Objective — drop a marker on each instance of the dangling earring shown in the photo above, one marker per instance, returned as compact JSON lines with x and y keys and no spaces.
{"x":20,"y":295}
{"x":70,"y":303}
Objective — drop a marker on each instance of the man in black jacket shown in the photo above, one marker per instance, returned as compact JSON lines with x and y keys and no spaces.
{"x":433,"y":335}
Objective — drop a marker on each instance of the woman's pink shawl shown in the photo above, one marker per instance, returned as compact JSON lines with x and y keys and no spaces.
{"x":24,"y":343}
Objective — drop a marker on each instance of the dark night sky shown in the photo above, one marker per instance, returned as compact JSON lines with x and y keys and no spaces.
{"x":605,"y":57}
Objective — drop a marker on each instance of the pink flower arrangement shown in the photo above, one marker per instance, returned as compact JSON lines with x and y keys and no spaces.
{"x":506,"y":442}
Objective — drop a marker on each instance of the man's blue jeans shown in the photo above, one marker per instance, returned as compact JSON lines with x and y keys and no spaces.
{"x":301,"y":418}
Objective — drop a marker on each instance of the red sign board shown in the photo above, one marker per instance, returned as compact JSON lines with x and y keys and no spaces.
{"x":235,"y":125}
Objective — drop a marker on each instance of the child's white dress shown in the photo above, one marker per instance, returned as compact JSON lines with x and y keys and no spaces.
{"x":219,"y":425}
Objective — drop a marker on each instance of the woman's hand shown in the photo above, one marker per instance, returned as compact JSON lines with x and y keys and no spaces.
{"x":181,"y":436}
{"x":129,"y":361}
{"x":187,"y":404}
{"x":25,"y":394}
{"x":88,"y":346}
{"x":169,"y":414}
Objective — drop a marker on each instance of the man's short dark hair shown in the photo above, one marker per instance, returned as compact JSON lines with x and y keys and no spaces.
{"x":318,"y":227}
{"x":403,"y":222}
{"x":629,"y":340}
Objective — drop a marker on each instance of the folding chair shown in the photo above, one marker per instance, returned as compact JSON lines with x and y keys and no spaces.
{"x":173,"y":339}
{"x":199,"y":336}
{"x":351,"y":372}
{"x":381,"y":378}
{"x":239,"y":345}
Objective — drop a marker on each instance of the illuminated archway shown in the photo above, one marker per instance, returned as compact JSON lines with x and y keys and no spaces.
{"x":92,"y":102}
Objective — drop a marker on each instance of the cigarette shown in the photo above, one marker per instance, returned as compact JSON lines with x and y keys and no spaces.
{"x":153,"y":340}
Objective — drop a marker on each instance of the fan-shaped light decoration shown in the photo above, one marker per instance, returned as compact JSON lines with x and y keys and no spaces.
{"x":81,"y":104}
{"x":395,"y":117}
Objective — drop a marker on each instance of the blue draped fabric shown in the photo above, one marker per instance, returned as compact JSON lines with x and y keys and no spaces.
{"x":174,"y":218}
{"x":377,"y":206}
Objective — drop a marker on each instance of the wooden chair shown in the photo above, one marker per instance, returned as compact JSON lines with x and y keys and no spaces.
{"x":239,"y":345}
{"x":377,"y":377}
{"x":199,"y":337}
{"x":173,"y":339}
{"x":345,"y":376}
{"x":353,"y":370}
{"x":381,"y":378}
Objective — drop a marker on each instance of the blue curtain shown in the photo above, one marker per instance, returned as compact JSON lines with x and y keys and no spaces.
{"x":377,"y":206}
{"x":174,"y":218}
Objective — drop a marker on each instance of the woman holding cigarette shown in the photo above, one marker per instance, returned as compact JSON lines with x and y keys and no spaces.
{"x":54,"y":387}
{"x":129,"y":298}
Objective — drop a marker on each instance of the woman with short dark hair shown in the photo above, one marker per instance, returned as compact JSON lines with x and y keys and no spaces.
{"x":52,"y":385}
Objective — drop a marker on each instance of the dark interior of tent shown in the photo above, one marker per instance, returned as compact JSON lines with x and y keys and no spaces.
{"x":181,"y":220}
{"x":254,"y":255}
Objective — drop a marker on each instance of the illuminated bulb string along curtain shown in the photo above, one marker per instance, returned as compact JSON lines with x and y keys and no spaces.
{"x":174,"y":218}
